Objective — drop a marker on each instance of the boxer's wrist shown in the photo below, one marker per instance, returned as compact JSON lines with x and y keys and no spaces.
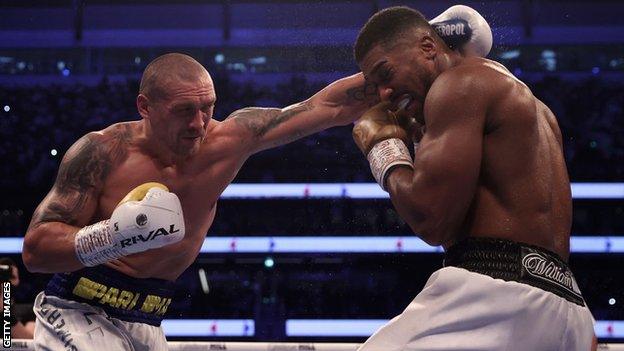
{"x":94,"y":244}
{"x":386,"y":155}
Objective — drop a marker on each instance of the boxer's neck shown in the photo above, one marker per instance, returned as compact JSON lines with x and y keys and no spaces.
{"x":446,"y":60}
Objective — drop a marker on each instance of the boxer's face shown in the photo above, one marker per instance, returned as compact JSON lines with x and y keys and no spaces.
{"x":405,"y":70}
{"x":181,"y":118}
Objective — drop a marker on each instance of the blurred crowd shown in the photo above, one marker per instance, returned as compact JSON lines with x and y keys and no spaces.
{"x":38,"y":124}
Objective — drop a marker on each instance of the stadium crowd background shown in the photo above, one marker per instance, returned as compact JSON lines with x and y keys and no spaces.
{"x":50,"y":96}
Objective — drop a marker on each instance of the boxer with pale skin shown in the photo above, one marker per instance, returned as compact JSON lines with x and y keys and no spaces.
{"x":178,"y":144}
{"x":132,"y":203}
{"x":156,"y":232}
{"x":488,"y":182}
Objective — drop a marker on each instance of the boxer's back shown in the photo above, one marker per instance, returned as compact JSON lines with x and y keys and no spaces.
{"x":523,"y":192}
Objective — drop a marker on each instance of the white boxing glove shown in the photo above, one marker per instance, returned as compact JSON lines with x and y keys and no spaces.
{"x":463,"y":28}
{"x":148,"y":217}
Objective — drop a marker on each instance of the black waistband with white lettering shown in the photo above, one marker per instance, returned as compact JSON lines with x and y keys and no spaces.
{"x":513,"y":261}
{"x":119,"y":295}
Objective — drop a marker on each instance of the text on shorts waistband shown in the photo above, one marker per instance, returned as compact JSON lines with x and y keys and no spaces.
{"x":120,"y":296}
{"x":513,"y":261}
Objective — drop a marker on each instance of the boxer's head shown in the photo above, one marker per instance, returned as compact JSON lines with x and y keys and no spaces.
{"x":176,"y":100}
{"x":399,"y":51}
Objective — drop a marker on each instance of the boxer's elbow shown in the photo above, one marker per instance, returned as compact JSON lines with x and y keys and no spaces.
{"x":427,"y":225}
{"x":29,"y":251}
{"x":32,"y":251}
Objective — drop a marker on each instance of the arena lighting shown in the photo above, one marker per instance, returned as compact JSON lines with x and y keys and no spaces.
{"x":219,"y":58}
{"x":53,"y":152}
{"x":208,"y":327}
{"x":28,"y":345}
{"x":373,"y":191}
{"x":365,"y":327}
{"x":269,"y":262}
{"x":511,"y":54}
{"x":612,"y":301}
{"x":316,"y":328}
{"x":203,"y":280}
{"x":345,"y":244}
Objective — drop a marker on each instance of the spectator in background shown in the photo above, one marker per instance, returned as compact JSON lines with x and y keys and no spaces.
{"x":22,"y":316}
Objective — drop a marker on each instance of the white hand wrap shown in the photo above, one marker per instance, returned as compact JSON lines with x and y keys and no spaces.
{"x":94,"y":244}
{"x":386,"y":155}
{"x":135,"y":226}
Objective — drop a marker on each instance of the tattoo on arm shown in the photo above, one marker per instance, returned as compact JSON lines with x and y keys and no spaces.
{"x":81,"y":176}
{"x":365,"y":93}
{"x":261,"y":120}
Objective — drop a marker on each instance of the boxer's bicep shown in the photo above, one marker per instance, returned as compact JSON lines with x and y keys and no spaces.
{"x":73,"y":197}
{"x":449,"y":160}
{"x":70,"y":205}
{"x":264,"y":128}
{"x":447,"y":163}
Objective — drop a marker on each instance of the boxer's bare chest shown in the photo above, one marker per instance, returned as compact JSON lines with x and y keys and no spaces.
{"x":197,"y":182}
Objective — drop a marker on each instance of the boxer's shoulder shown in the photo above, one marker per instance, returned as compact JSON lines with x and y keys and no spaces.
{"x":477,"y":79}
{"x":122,"y":130}
{"x":464,"y":82}
{"x":103,"y":146}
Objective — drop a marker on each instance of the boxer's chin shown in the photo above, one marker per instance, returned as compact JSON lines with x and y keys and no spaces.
{"x":188,"y":146}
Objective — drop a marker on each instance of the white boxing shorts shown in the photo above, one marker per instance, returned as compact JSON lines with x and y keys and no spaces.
{"x":99,"y":308}
{"x":532,"y":304}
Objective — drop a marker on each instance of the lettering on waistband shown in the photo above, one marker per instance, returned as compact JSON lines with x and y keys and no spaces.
{"x":118,"y":298}
{"x":155,"y":304}
{"x":542,"y":267}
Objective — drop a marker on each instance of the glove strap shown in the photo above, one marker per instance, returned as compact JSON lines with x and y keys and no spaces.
{"x":386,"y":155}
{"x":94,"y":244}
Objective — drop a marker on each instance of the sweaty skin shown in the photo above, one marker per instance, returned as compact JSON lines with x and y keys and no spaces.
{"x":490,"y":163}
{"x":183,"y":148}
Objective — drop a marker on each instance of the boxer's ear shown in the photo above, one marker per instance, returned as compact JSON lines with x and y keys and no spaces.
{"x":142,"y":103}
{"x":428,"y":46}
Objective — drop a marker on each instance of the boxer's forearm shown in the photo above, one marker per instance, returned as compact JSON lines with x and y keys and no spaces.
{"x":350,"y":96}
{"x":49,"y":248}
{"x":339,"y":103}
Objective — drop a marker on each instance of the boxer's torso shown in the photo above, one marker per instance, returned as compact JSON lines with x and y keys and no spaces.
{"x":198,"y":182}
{"x":523,"y":192}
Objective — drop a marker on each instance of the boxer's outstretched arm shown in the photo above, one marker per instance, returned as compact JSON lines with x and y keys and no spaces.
{"x":434,"y":197}
{"x":71,"y":203}
{"x":340,"y":103}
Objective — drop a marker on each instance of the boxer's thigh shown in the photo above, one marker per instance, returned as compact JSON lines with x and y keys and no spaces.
{"x":144,"y":337}
{"x":68,"y":325}
{"x":461,"y":310}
